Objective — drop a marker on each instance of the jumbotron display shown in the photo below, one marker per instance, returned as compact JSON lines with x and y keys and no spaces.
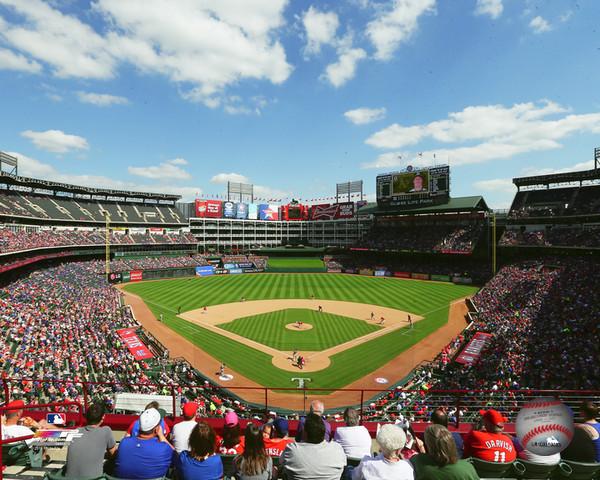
{"x":414,"y":187}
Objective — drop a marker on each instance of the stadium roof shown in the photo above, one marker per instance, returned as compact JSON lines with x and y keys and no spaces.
{"x":557,"y":178}
{"x":457,"y":204}
{"x":11,"y":179}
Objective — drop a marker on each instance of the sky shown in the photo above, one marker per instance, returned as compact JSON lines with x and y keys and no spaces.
{"x":180,"y":96}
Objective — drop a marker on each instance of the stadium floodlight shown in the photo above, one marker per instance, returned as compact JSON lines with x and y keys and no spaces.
{"x":348,"y":188}
{"x":9,"y":161}
{"x":241,"y":190}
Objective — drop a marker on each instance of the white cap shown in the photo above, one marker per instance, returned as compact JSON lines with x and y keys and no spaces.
{"x":149,"y":419}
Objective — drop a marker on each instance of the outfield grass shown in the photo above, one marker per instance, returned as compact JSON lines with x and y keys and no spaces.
{"x":328,"y":329}
{"x":295,"y":264}
{"x":428,"y":299}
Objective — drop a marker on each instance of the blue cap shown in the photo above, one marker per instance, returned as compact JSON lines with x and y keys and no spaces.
{"x":281,"y":426}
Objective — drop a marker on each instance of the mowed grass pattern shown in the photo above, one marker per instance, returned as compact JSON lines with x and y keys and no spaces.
{"x":296,"y":264}
{"x":328,"y":329}
{"x":429,"y":299}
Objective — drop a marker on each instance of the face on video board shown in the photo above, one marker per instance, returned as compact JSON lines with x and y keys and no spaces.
{"x":410,"y":182}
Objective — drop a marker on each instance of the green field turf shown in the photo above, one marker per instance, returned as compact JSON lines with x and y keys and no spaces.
{"x":428,"y":299}
{"x":295,"y":264}
{"x":328,"y":329}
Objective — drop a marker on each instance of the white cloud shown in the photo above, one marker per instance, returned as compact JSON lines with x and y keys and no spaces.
{"x":503,"y":185}
{"x":493,"y":8}
{"x":15,"y":61}
{"x":229,"y":177}
{"x":55,"y":97}
{"x":56,"y":141}
{"x":320,"y":29}
{"x":204,"y":48}
{"x":344,"y":69}
{"x":101,"y":99}
{"x":30,"y":167}
{"x":502,"y":132}
{"x":362,"y":116}
{"x":565,"y":17}
{"x":165,"y":170}
{"x":395,"y":26}
{"x":540,"y":25}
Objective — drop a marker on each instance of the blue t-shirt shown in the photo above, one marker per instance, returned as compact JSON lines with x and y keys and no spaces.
{"x":137,"y":458}
{"x":189,"y":468}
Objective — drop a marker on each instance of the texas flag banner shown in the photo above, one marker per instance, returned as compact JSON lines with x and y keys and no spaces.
{"x":134,"y":344}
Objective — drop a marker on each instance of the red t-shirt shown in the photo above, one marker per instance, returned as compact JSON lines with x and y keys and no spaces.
{"x":492,"y":447}
{"x":276,"y":446}
{"x":235,"y":450}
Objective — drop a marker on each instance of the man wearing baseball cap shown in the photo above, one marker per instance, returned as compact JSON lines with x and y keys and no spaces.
{"x":147,"y":455}
{"x":181,"y":431}
{"x":490,"y":443}
{"x":279,"y":438}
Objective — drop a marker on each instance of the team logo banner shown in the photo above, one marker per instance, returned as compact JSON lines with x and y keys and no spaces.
{"x":134,"y":344}
{"x":228,"y":210}
{"x":268,"y":212}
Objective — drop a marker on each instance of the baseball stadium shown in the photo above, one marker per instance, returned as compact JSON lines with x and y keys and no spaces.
{"x":275,"y":240}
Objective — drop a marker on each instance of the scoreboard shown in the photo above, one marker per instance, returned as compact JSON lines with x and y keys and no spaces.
{"x":414,"y":187}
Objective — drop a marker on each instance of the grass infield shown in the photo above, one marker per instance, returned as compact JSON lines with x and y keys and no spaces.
{"x":328,"y":329}
{"x":428,"y":299}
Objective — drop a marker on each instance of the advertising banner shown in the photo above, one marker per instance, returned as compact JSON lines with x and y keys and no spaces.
{"x":114,"y":277}
{"x":334,"y":270}
{"x":324,"y":211}
{"x":365,"y":271}
{"x":135,"y":275}
{"x":201,"y":208}
{"x":221,"y":271}
{"x":125,"y":277}
{"x":252,"y":211}
{"x":441,"y":278}
{"x":229,"y":266}
{"x":472,"y":352}
{"x":205,"y":270}
{"x":228,"y":210}
{"x":214,"y":209}
{"x":235,"y":271}
{"x":402,"y":274}
{"x":349,"y":270}
{"x":245,"y":265}
{"x":268,"y":212}
{"x":380,"y":273}
{"x":462,"y":280}
{"x":241,"y":211}
{"x":420,"y":276}
{"x":134,"y":344}
{"x":345,"y":210}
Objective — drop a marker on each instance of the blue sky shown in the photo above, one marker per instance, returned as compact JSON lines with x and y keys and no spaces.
{"x":295,"y":96}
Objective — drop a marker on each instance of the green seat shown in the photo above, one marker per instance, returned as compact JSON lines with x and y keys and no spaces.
{"x":20,"y":454}
{"x":583,"y":471}
{"x":535,"y":470}
{"x":495,"y":469}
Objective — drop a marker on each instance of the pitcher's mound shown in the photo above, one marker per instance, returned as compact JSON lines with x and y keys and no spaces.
{"x":295,"y":326}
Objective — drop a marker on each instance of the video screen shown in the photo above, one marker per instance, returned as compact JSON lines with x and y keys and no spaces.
{"x":410,"y":182}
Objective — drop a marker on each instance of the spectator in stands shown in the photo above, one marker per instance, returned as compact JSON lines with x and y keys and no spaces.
{"x":441,"y":462}
{"x":589,"y":413}
{"x":354,"y":438}
{"x":314,"y":458}
{"x":181,"y":431}
{"x":232,"y":442}
{"x":389,"y":463}
{"x":16,"y":425}
{"x":147,"y":455}
{"x":134,"y":428}
{"x":581,"y":448}
{"x":200,"y":462}
{"x":439,"y":417}
{"x":490,"y":444}
{"x":85,"y":457}
{"x":318,"y":408}
{"x":254,"y":463}
{"x":277,"y":441}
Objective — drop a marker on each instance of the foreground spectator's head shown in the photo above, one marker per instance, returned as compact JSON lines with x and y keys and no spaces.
{"x":391,"y":440}
{"x":149,"y":420}
{"x":231,"y":430}
{"x":189,"y":410}
{"x":202,"y":440}
{"x":16,"y":411}
{"x":317,"y":407}
{"x":440,"y":445}
{"x":351,"y":417}
{"x":95,"y":414}
{"x":439,"y":417}
{"x":588,"y":410}
{"x":314,"y":429}
{"x":493,"y":420}
{"x":280,"y":427}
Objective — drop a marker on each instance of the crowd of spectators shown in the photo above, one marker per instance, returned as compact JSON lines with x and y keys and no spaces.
{"x":588,"y":237}
{"x":556,"y":202}
{"x":424,"y":238}
{"x":12,"y":241}
{"x":154,"y":263}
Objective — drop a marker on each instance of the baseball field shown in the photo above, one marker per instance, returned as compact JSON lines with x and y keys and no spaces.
{"x":250,"y":321}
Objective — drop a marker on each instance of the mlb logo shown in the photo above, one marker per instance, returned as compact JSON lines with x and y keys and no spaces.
{"x":56,"y":418}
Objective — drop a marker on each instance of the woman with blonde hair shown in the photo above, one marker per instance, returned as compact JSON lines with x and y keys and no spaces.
{"x":441,"y":461}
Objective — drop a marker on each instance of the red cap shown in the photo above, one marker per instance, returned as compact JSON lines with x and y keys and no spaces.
{"x":190,"y":409}
{"x":16,"y":404}
{"x":493,"y":416}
